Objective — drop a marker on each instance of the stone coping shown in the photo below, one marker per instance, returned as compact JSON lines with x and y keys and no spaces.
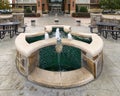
{"x":66,"y":28}
{"x":26,"y":49}
{"x":61,"y":79}
{"x":112,"y":17}
{"x":6,"y":17}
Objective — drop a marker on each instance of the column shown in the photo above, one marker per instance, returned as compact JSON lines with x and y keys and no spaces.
{"x":72,"y":6}
{"x":39,"y":6}
{"x":66,"y":6}
{"x":13,"y":2}
{"x":46,"y":6}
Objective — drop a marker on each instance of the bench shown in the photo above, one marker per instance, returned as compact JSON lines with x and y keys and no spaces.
{"x":115,"y":33}
{"x":23,"y":27}
{"x":2,"y":34}
{"x":11,"y":31}
{"x":91,"y":28}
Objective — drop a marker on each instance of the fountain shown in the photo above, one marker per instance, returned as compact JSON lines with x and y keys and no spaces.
{"x":69,"y":36}
{"x":58,"y":61}
{"x":46,"y":35}
{"x":58,"y":46}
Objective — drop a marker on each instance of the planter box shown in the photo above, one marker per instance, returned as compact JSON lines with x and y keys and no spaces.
{"x":81,"y":14}
{"x":18,"y":10}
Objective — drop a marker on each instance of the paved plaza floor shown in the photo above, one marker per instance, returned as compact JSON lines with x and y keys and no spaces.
{"x":12,"y":83}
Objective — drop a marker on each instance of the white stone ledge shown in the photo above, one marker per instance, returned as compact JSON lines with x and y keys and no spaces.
{"x":65,"y":28}
{"x":61,"y":79}
{"x":26,"y":49}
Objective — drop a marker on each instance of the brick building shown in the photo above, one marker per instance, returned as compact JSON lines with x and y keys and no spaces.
{"x":54,"y":6}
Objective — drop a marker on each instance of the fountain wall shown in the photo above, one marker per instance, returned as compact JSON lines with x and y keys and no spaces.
{"x":86,"y":68}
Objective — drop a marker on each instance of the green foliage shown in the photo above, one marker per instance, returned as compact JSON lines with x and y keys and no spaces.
{"x":4,"y":4}
{"x":28,"y":10}
{"x":81,"y":14}
{"x":83,"y":9}
{"x":32,"y":14}
{"x":110,"y":4}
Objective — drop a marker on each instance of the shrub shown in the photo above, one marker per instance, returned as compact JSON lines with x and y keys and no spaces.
{"x":83,"y":9}
{"x":37,"y":14}
{"x":28,"y":10}
{"x":44,"y":12}
{"x":81,"y":14}
{"x":73,"y":14}
{"x":32,"y":14}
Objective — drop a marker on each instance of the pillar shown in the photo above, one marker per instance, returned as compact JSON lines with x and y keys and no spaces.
{"x":72,"y":6}
{"x":39,"y":6}
{"x":46,"y":6}
{"x":18,"y":17}
{"x":66,"y":6}
{"x":13,"y":2}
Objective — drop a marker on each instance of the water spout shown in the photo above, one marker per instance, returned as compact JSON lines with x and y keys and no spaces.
{"x":57,"y":34}
{"x":69,"y":36}
{"x":58,"y":46}
{"x":46,"y":35}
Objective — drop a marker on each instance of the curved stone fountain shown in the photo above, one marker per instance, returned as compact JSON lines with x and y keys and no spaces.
{"x":82,"y":54}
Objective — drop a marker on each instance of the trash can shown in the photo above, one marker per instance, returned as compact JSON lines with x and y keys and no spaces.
{"x":78,"y":22}
{"x":32,"y":22}
{"x":56,"y":21}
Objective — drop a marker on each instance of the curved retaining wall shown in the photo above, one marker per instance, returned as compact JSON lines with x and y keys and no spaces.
{"x":27,"y":60}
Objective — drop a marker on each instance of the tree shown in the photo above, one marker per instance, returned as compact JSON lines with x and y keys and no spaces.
{"x":28,"y":10}
{"x":117,"y":4}
{"x":110,"y":4}
{"x":4,"y":4}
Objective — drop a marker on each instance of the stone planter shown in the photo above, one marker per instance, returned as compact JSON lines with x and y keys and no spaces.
{"x":19,"y":17}
{"x":18,"y":10}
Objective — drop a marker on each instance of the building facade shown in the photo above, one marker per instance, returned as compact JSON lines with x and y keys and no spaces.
{"x":54,"y":6}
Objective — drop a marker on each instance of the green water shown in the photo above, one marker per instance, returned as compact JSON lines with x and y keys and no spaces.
{"x":84,"y":39}
{"x":69,"y":59}
{"x":34,"y":39}
{"x":63,"y":35}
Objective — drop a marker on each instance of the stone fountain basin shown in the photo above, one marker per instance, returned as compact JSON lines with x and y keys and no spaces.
{"x":27,"y":49}
{"x":27,"y":60}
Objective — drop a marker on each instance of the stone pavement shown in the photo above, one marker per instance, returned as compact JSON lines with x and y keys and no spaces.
{"x":12,"y":83}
